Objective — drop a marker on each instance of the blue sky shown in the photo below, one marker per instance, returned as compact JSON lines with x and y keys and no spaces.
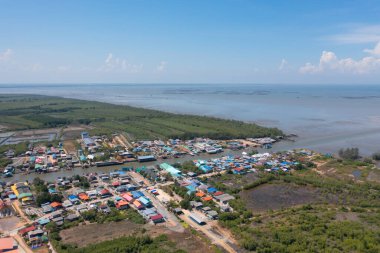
{"x":197,"y":41}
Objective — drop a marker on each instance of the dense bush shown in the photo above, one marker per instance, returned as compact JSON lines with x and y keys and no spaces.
{"x":349,"y":153}
{"x":31,"y":112}
{"x":376,"y":156}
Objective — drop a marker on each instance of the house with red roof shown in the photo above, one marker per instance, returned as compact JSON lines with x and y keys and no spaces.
{"x":158,"y":218}
{"x":26,"y":230}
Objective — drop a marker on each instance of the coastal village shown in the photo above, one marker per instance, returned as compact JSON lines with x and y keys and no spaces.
{"x":136,"y":187}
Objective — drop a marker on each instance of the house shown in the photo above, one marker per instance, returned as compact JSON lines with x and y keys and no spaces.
{"x":73,"y":199}
{"x":200,"y":194}
{"x":7,"y":244}
{"x":194,"y":217}
{"x":83,"y":196}
{"x":196,"y":205}
{"x":158,"y":218}
{"x":46,"y":208}
{"x":192,"y":174}
{"x":56,"y":205}
{"x":239,"y":171}
{"x":170,"y":169}
{"x":26,"y":230}
{"x":213,"y":215}
{"x":147,"y":158}
{"x":35,"y":233}
{"x":82,"y":208}
{"x":66,"y":204}
{"x":72,"y":217}
{"x":121,"y":188}
{"x":58,"y":221}
{"x":92,"y":194}
{"x":56,"y":214}
{"x":207,"y":198}
{"x":23,"y":193}
{"x":122,"y":205}
{"x":212,"y":190}
{"x":224,"y":198}
{"x":138,"y":204}
{"x":145,"y":201}
{"x":43,"y":221}
{"x":105,"y":193}
{"x":131,"y":187}
{"x":137,"y":194}
{"x":104,"y":209}
{"x":147,"y":213}
{"x":127,"y":197}
{"x":116,"y":184}
{"x":218,"y":193}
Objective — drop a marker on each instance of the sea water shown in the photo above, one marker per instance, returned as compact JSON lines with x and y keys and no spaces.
{"x":325,"y":117}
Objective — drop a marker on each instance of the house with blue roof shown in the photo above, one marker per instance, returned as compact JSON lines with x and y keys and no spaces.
{"x":212,"y":190}
{"x":145,"y":201}
{"x":191,"y":189}
{"x":173,"y":171}
{"x":137,"y":194}
{"x":205,"y":168}
{"x":73,"y":199}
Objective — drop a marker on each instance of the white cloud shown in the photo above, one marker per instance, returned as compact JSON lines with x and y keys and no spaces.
{"x":283,"y":65}
{"x":161,"y":67}
{"x":121,"y":65}
{"x":6,"y":55}
{"x":358,"y":35}
{"x":309,"y":68}
{"x":329,"y":62}
{"x":375,"y":51}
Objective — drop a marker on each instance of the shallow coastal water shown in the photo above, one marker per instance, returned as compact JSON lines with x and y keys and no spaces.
{"x":325,"y":117}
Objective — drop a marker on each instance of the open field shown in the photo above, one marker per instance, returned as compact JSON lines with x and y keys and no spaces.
{"x":21,"y":112}
{"x":85,"y":235}
{"x":276,"y":196}
{"x":321,"y":209}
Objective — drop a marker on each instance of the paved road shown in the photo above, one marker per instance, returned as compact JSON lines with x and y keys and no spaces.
{"x":172,"y":221}
{"x":224,"y":239}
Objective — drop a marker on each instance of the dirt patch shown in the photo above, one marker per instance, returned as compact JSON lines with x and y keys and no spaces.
{"x":70,"y":146}
{"x":276,"y":196}
{"x":87,"y":234}
{"x":73,"y":132}
{"x":235,"y":181}
{"x":349,"y":216}
{"x":374,"y":176}
{"x":94,"y":233}
{"x":9,"y":223}
{"x":190,"y":242}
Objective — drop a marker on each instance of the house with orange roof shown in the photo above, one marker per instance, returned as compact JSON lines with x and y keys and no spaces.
{"x":56,"y":205}
{"x":83,"y":196}
{"x":207,"y":198}
{"x":200,"y":194}
{"x":122,"y":205}
{"x":8,"y":244}
{"x":138,"y":204}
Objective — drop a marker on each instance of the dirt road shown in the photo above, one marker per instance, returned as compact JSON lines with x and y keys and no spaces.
{"x":22,"y":244}
{"x":207,"y":229}
{"x":16,"y":206}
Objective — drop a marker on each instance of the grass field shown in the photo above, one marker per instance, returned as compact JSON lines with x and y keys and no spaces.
{"x":20,"y":112}
{"x":312,"y":210}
